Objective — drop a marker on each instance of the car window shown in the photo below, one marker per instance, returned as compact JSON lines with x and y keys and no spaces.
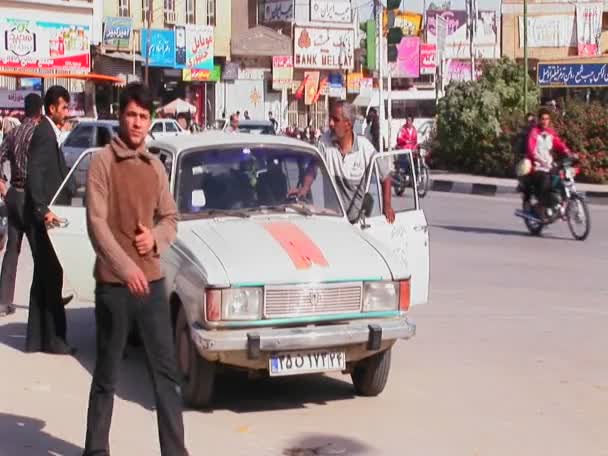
{"x":73,"y":190}
{"x":253,"y":178}
{"x":170,"y":127}
{"x":104,"y":136}
{"x":157,"y":127}
{"x":81,"y":137}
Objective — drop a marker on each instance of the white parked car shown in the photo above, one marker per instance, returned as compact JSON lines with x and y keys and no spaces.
{"x":266,"y":283}
{"x":161,"y":128}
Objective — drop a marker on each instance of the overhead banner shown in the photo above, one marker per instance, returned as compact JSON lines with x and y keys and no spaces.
{"x":486,"y":28}
{"x":456,"y":26}
{"x":408,"y":59}
{"x":339,"y":11}
{"x":573,"y":75}
{"x":32,"y":44}
{"x":161,"y":47}
{"x":428,"y":58}
{"x":117,"y":32}
{"x":549,"y":31}
{"x":199,"y":47}
{"x":278,"y":11}
{"x":588,"y":27}
{"x":324,"y":48}
{"x":282,"y":72}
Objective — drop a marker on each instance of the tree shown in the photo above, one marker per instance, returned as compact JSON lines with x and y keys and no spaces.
{"x":478,"y":120}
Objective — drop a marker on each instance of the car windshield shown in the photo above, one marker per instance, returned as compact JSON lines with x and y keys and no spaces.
{"x":256,"y":129}
{"x":240,"y":181}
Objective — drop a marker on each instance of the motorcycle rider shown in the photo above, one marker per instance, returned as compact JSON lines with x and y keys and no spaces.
{"x":407,"y":139}
{"x":543,"y":142}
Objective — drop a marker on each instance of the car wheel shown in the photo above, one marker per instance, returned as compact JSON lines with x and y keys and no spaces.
{"x":197,"y":374}
{"x":371,"y":374}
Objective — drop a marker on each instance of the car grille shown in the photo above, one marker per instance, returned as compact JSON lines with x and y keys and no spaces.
{"x":318,"y":299}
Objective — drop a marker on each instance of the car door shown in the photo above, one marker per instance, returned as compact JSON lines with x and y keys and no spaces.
{"x":171,"y":129}
{"x":157,"y":129}
{"x":71,"y":240}
{"x":408,"y":237}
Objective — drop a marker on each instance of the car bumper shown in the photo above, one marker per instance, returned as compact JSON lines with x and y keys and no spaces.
{"x":255,"y":341}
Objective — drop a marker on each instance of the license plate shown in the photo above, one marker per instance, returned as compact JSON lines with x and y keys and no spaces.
{"x":306,"y":362}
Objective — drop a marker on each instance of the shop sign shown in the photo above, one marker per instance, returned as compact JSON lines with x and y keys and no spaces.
{"x":409,"y":23}
{"x":252,"y":74}
{"x":353,"y":82}
{"x":191,"y":75}
{"x":14,"y":99}
{"x":29,"y":44}
{"x":312,"y":86}
{"x":408,"y":59}
{"x":117,"y":32}
{"x":282,"y":72}
{"x":199,"y":47}
{"x":549,"y":31}
{"x":339,"y":11}
{"x":324,"y":48}
{"x":428,"y":58}
{"x":573,"y":75}
{"x":231,"y":71}
{"x":336,"y":85}
{"x":161,"y":51}
{"x":278,"y":11}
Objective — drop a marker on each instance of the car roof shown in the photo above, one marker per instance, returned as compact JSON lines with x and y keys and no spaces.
{"x":208,"y":138}
{"x":255,"y":123}
{"x":96,"y":123}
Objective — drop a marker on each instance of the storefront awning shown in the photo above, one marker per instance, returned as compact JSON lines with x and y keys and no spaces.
{"x":261,"y":41}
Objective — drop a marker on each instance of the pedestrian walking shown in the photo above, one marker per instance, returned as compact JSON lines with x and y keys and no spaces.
{"x":129,"y":230}
{"x":46,"y":170}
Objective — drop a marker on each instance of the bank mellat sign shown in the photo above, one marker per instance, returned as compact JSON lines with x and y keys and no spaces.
{"x":324,"y":48}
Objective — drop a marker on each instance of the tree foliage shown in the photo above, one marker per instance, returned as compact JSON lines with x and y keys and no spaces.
{"x":477,"y":120}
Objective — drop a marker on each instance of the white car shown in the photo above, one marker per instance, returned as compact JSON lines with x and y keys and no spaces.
{"x":162,"y":128}
{"x":266,"y":283}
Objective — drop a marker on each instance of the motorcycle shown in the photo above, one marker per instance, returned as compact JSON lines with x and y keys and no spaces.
{"x":568,"y":206}
{"x":402,"y":176}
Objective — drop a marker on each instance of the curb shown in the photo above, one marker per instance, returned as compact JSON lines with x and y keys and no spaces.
{"x":472,"y":188}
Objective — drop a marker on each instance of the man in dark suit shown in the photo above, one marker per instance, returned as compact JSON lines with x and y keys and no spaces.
{"x":46,"y":170}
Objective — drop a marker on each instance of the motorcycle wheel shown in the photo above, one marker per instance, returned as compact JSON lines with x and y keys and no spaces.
{"x":425,"y":179}
{"x":534,"y":228}
{"x":579,"y":220}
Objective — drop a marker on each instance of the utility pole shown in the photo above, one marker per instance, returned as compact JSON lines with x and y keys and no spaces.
{"x":472,"y":26}
{"x":525,"y":56}
{"x":148,"y":27}
{"x":378,"y":7}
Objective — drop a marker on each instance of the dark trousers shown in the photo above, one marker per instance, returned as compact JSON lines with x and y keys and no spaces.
{"x":541,"y":182}
{"x":15,"y":203}
{"x":116,"y":310}
{"x":46,"y":324}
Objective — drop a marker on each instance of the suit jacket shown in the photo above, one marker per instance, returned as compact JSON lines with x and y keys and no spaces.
{"x":46,"y":170}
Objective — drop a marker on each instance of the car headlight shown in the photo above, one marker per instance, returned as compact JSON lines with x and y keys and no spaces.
{"x":242,"y":303}
{"x":380,"y":296}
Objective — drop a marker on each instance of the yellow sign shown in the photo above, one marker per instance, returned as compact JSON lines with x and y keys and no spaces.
{"x":410,"y":23}
{"x":353,"y":82}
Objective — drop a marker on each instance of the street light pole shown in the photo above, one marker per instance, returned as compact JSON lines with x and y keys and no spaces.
{"x":148,"y":26}
{"x":525,"y":56}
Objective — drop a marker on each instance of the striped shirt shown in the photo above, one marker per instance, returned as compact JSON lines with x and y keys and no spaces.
{"x":16,"y":149}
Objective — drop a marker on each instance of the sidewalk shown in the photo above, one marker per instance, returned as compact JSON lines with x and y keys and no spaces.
{"x":445,"y":181}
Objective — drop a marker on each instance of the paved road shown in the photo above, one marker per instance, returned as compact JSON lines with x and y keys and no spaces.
{"x":510,"y":359}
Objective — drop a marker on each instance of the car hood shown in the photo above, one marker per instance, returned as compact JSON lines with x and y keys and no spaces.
{"x":286,"y":249}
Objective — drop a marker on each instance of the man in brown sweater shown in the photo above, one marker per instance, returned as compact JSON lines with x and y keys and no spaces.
{"x":131,"y":220}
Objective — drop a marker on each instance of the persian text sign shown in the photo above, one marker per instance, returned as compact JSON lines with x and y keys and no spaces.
{"x":549,"y":31}
{"x":428,"y":59}
{"x":29,"y":44}
{"x":202,"y":75}
{"x":117,"y":32}
{"x":278,"y":11}
{"x":282,"y":72}
{"x":331,"y":11}
{"x":324,"y":48}
{"x":573,"y":75}
{"x":14,"y":99}
{"x":199,"y":47}
{"x":161,"y":51}
{"x":408,"y":60}
{"x":588,"y":27}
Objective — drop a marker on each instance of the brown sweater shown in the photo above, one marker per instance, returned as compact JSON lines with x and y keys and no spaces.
{"x":125,"y":187}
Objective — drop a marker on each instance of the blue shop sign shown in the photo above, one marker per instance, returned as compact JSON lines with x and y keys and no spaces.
{"x":573,"y":75}
{"x":162,"y":47}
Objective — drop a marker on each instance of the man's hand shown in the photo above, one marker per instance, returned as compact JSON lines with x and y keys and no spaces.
{"x":389,"y":213}
{"x":144,"y":241}
{"x":137,"y":283}
{"x":3,"y":188}
{"x":51,"y":220}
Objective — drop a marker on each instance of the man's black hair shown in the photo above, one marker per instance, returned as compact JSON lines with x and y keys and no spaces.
{"x":33,"y":105}
{"x":139,"y":94}
{"x":52,"y":96}
{"x":543,"y":112}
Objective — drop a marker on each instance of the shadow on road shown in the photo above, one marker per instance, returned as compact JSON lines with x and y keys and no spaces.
{"x":239,"y":394}
{"x":24,"y":436}
{"x":495,"y":231}
{"x":323,"y":444}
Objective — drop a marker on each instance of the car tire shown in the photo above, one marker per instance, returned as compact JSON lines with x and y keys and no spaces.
{"x":371,"y":374}
{"x":197,"y":374}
